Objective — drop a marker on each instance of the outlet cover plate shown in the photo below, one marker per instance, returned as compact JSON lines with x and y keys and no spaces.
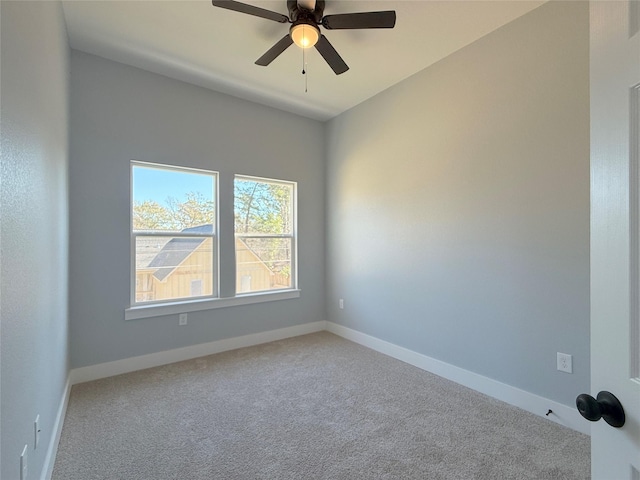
{"x":565,"y":362}
{"x":36,"y":432}
{"x":23,"y":463}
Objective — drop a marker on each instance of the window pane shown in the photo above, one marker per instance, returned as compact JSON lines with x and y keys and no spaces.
{"x":173,"y":267}
{"x":166,"y":200}
{"x":263,"y":264}
{"x":263,"y":207}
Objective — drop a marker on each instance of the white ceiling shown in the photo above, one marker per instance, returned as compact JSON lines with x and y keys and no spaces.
{"x":216,"y":48}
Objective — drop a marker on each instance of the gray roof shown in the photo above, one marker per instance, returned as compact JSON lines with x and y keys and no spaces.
{"x":176,"y":251}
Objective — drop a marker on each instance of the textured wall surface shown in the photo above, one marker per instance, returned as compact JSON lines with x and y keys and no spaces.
{"x":33,"y":235}
{"x":458,"y":207}
{"x":120,"y":113}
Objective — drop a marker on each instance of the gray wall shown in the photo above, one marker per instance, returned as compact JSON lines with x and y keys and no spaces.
{"x":120,"y":113}
{"x":458,"y":207}
{"x":33,"y":235}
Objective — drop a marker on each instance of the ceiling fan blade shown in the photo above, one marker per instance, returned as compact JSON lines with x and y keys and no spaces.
{"x":250,"y":9}
{"x":274,"y":51}
{"x":386,"y":19}
{"x":331,"y":56}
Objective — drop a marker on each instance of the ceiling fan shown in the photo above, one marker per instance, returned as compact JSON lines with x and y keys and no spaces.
{"x":305,"y":28}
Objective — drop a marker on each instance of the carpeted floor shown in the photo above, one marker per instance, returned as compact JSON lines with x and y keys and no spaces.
{"x":310,"y":407}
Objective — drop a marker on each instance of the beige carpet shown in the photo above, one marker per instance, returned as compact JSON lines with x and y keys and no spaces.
{"x":310,"y":407}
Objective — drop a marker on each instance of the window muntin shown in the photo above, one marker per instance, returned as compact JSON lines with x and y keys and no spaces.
{"x":265,"y":234}
{"x":173,"y":233}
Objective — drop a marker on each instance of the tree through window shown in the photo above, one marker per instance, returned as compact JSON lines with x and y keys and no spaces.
{"x":265,"y":234}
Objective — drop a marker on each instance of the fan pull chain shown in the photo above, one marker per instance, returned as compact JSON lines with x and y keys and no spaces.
{"x":304,"y":72}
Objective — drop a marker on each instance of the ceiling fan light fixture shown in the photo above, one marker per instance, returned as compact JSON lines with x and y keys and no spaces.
{"x":305,"y":35}
{"x":306,"y":17}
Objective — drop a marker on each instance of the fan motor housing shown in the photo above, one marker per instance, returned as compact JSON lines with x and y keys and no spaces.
{"x":297,"y":13}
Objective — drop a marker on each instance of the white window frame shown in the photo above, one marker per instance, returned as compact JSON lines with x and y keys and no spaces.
{"x":215,"y":254}
{"x":186,"y":305}
{"x":293,"y":235}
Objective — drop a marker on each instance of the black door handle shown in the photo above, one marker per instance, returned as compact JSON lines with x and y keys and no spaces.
{"x":606,"y":406}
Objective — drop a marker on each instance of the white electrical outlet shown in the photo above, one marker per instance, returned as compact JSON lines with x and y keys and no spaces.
{"x":36,"y":432}
{"x":182,"y":319}
{"x":565,"y":363}
{"x":23,"y":463}
{"x":341,"y":303}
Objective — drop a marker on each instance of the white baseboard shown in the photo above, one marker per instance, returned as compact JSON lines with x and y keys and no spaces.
{"x":50,"y":459}
{"x":562,"y":414}
{"x":109,"y":369}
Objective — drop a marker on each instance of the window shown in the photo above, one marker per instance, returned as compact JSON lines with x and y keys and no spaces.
{"x":265,"y":234}
{"x":196,"y":288}
{"x":173,"y":233}
{"x":175,"y":240}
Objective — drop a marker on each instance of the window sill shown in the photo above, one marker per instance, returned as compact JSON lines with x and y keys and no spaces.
{"x":157,"y":310}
